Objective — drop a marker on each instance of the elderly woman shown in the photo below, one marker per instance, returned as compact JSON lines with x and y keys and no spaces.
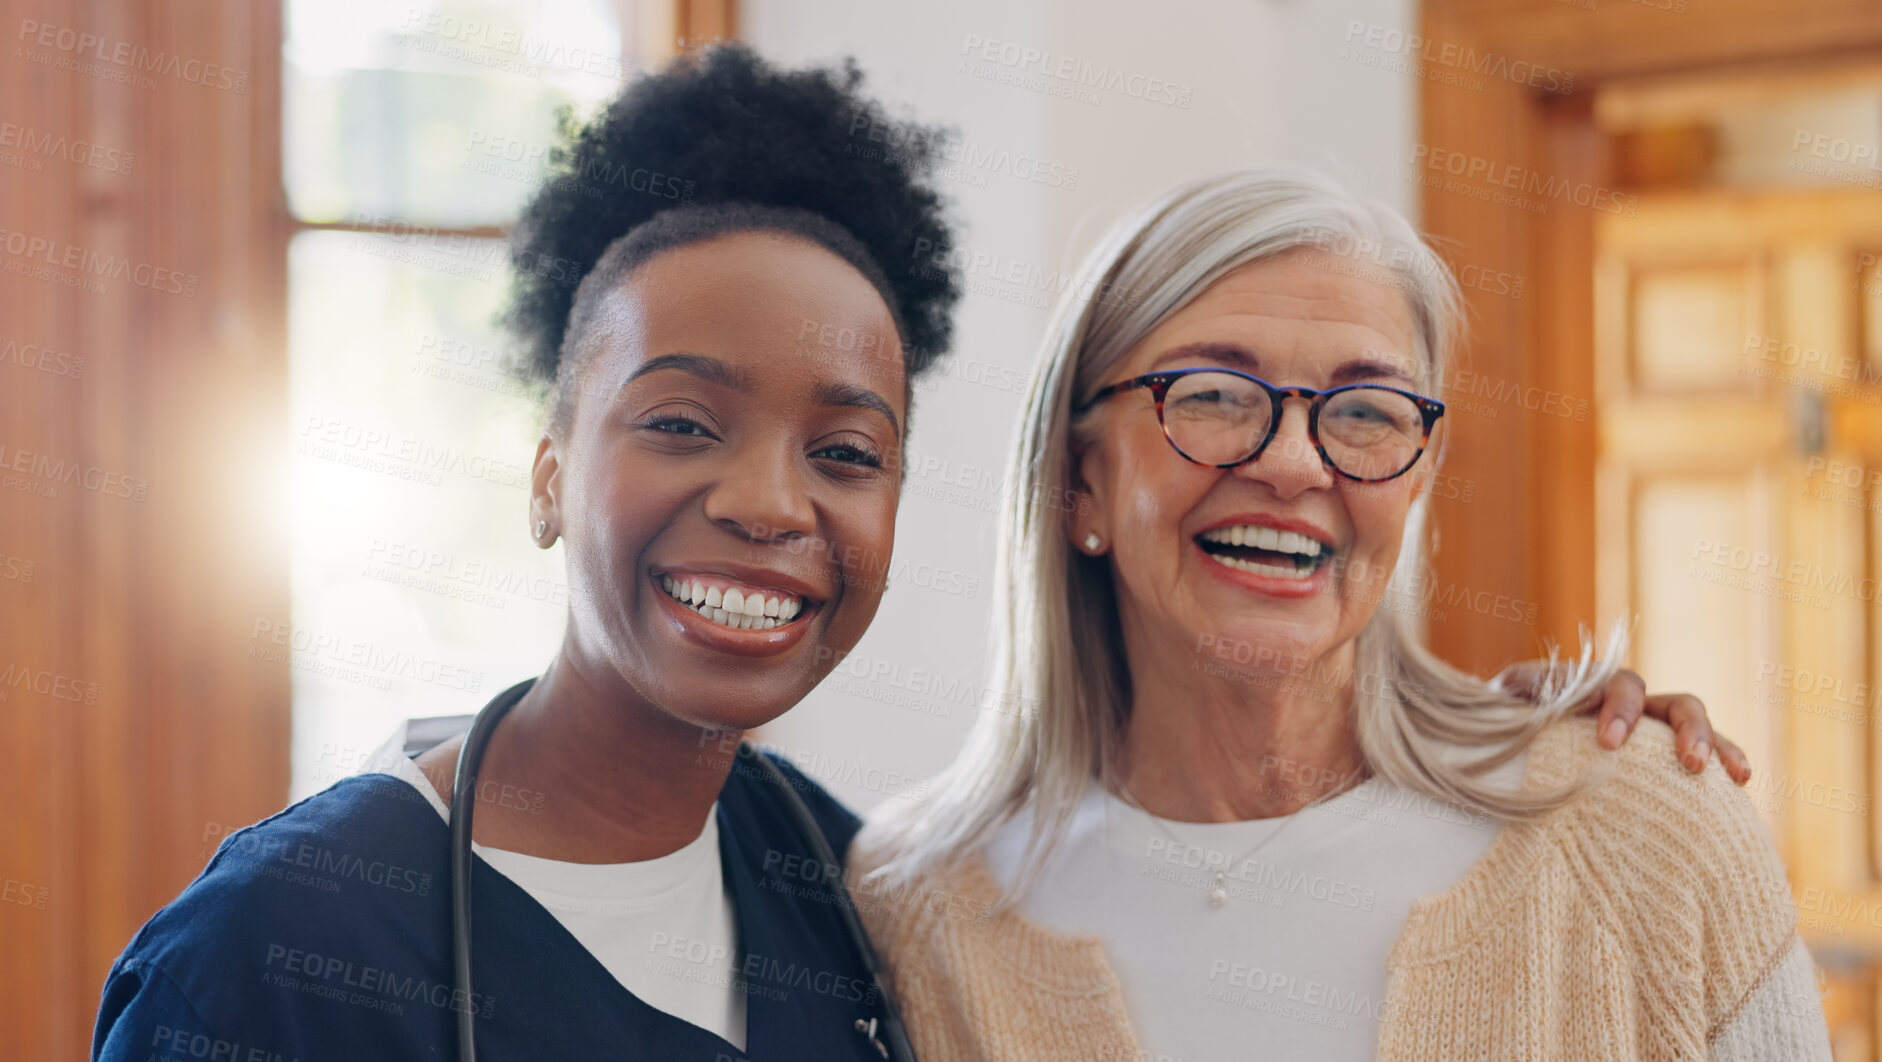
{"x":1242,"y":810}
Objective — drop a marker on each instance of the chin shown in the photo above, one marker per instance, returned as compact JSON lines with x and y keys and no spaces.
{"x":718,"y":711}
{"x":1277,"y":647}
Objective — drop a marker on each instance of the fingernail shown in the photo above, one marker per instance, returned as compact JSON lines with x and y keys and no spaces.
{"x":1615,"y":732}
{"x":1702,"y":752}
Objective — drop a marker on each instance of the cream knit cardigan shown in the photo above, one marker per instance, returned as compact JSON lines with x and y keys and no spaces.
{"x":1636,"y":923}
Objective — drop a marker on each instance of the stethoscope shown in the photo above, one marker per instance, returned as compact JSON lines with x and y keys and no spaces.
{"x":889,"y":1037}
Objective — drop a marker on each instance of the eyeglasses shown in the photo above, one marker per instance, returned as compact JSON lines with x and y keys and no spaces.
{"x":1222,"y":418}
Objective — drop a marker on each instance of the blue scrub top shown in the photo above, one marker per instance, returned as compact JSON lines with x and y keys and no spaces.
{"x":323,"y":933}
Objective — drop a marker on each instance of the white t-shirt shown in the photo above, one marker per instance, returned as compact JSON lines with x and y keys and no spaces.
{"x":664,"y":927}
{"x":1293,"y":964}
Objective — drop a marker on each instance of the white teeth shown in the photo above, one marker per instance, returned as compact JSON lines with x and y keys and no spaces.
{"x":733,"y":607}
{"x":1271,"y":570}
{"x":1265,"y":538}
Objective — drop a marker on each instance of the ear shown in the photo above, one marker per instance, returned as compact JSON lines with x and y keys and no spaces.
{"x":1084,"y":505}
{"x":1425,"y":472}
{"x":545,"y":487}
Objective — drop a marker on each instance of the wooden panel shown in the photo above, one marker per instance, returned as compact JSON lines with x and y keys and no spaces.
{"x":142,"y":476}
{"x":1867,"y":269}
{"x":1693,"y":619}
{"x":1828,"y":837}
{"x":1712,"y":434}
{"x":1689,"y":325}
{"x":700,"y":22}
{"x":1655,"y":102}
{"x":1654,"y":36}
{"x":1823,"y":774}
{"x":1726,"y":221}
{"x":1557,"y":317}
{"x":1473,"y":548}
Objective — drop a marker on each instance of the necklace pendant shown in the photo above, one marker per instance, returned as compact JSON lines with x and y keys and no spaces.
{"x":1220,"y":894}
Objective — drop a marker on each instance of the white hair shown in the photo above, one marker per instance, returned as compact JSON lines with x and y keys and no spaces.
{"x":1062,"y":687}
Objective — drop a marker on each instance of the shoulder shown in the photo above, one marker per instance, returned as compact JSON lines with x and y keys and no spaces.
{"x":1680,"y":862}
{"x":365,"y":816}
{"x":903,"y":911}
{"x":1640,"y":793}
{"x":334,"y":870}
{"x":1642,"y":803}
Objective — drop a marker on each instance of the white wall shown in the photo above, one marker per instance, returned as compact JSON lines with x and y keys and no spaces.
{"x":1266,"y":81}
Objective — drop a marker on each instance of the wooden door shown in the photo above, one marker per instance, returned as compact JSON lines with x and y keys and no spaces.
{"x":1738,"y":341}
{"x":1602,"y":517}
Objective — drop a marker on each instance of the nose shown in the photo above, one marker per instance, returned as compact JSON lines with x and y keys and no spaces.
{"x":1290,"y":464}
{"x":762,"y":496}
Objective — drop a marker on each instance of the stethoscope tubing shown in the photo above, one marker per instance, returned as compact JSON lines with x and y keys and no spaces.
{"x":889,"y":1037}
{"x":470,"y":757}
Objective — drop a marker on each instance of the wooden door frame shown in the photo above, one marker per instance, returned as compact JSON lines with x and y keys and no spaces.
{"x":1508,"y":84}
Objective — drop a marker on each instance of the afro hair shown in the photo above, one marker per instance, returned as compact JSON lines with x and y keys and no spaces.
{"x":722,"y":142}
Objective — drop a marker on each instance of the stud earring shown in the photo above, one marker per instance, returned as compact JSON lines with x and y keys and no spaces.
{"x":1092,"y":542}
{"x":542,"y":528}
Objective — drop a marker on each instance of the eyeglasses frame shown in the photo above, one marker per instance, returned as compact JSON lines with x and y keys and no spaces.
{"x":1159,"y":384}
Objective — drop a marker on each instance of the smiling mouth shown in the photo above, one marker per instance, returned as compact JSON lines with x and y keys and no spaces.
{"x":731,"y":605}
{"x":1265,"y":551}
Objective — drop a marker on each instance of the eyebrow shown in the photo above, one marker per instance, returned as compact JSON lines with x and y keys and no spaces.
{"x":860,"y":398}
{"x":1238,"y":357}
{"x":712,"y":370}
{"x":715,"y":371}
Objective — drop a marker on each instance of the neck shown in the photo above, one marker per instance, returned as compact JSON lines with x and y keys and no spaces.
{"x":1220,"y":744}
{"x":584,"y":770}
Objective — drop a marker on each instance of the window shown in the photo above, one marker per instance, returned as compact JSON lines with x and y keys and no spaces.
{"x":412,"y":136}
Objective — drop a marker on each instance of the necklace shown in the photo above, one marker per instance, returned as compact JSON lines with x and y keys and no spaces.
{"x":1219,"y":893}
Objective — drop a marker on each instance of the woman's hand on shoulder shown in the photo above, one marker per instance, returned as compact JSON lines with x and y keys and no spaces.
{"x":1622,"y":703}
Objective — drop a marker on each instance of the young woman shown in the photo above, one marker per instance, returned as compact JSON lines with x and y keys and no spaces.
{"x":721,"y":476}
{"x":728,"y":405}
